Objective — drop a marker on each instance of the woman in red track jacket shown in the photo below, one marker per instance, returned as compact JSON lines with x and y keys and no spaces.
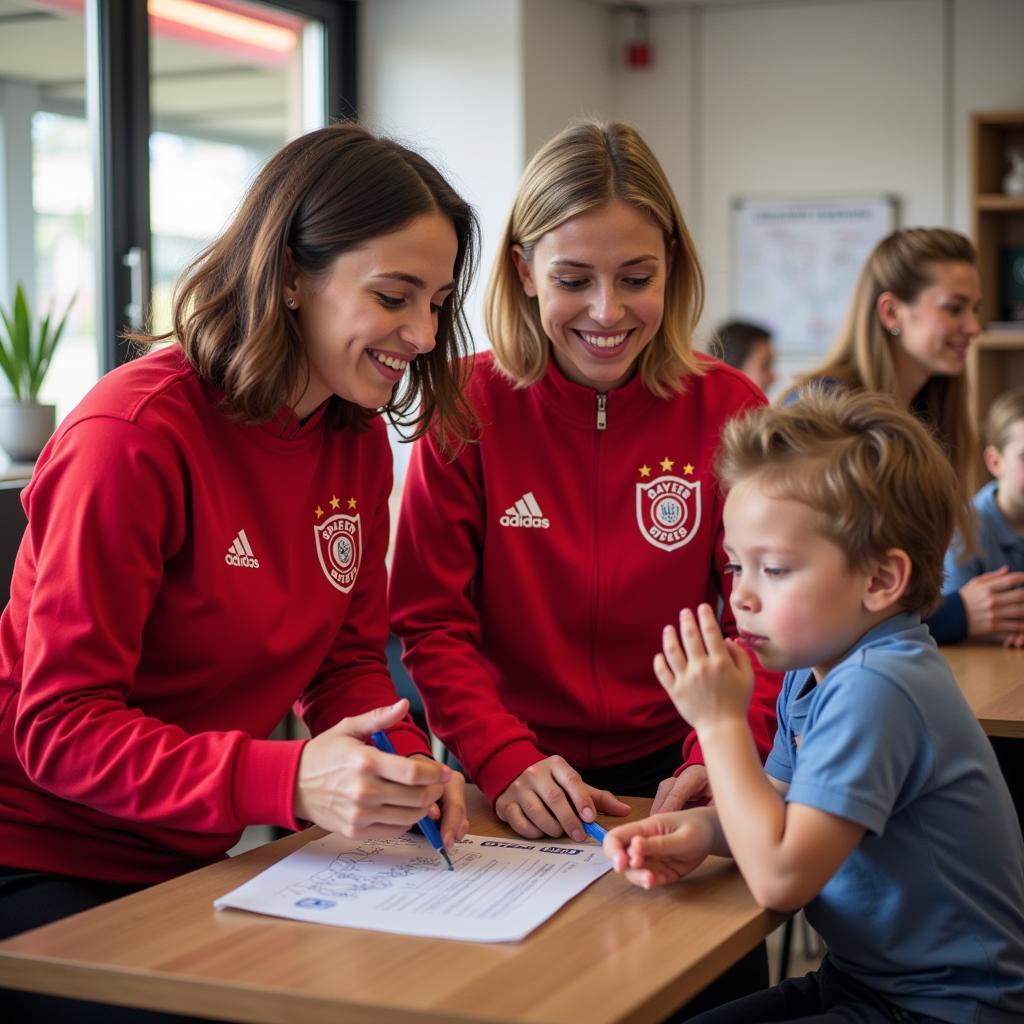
{"x":206,"y":540}
{"x":534,"y":572}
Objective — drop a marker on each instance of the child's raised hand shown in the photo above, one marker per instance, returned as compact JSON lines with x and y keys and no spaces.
{"x":660,"y":849}
{"x":708,"y":677}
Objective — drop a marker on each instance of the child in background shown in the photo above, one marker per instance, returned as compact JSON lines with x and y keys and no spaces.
{"x":999,"y":507}
{"x":881,"y":807}
{"x":748,"y":347}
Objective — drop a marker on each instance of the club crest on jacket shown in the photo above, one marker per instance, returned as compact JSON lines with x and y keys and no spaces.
{"x":339,"y":546}
{"x":668,"y":511}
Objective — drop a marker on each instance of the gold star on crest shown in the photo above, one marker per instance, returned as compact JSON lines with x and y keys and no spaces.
{"x":688,"y":469}
{"x":319,"y":512}
{"x":645,"y":470}
{"x":667,"y":463}
{"x":335,"y":502}
{"x":351,"y":502}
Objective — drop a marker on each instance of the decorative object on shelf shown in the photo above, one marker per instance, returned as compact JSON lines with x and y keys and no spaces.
{"x":26,"y":349}
{"x":1013,"y":183}
{"x":1011,"y":283}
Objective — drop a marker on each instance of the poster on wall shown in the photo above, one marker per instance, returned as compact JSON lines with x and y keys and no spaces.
{"x":795,"y":262}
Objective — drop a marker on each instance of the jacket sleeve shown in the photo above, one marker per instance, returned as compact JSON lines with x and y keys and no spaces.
{"x":959,"y":570}
{"x":434,"y":572}
{"x":948,"y":623}
{"x":106,"y":510}
{"x":354,"y":677}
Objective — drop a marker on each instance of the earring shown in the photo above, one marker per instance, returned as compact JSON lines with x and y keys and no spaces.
{"x":894,"y":331}
{"x":290,"y":302}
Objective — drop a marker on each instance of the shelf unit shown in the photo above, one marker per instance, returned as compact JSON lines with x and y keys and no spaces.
{"x":997,"y":222}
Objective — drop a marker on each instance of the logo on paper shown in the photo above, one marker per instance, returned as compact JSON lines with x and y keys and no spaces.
{"x":526,"y":513}
{"x":668,"y":511}
{"x":339,"y":546}
{"x":240,"y":553}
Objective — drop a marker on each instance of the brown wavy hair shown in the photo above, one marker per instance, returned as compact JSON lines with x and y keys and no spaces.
{"x":873,"y":472}
{"x":583,"y":168}
{"x":322,"y":195}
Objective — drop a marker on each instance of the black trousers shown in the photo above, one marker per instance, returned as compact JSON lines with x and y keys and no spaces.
{"x":29,"y":899}
{"x":826,"y":996}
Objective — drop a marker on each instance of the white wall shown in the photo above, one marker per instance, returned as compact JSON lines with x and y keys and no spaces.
{"x":811,"y":100}
{"x":795,"y":97}
{"x":445,"y":77}
{"x":568,"y":67}
{"x":798,"y":98}
{"x":661,"y":101}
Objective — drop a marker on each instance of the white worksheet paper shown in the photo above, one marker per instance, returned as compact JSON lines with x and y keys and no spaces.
{"x":499,"y":891}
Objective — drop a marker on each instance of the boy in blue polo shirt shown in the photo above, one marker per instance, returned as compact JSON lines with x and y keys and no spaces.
{"x":999,"y":508}
{"x":881,"y":808}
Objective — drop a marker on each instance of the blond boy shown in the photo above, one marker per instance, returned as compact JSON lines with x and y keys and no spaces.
{"x":881,"y":808}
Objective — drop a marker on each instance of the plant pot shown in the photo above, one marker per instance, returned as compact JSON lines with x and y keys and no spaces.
{"x":25,"y":427}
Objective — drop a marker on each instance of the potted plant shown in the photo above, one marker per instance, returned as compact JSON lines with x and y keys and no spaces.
{"x":26,"y":349}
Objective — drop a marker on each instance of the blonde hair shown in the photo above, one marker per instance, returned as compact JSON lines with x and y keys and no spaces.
{"x":583,"y":168}
{"x":873,"y":472}
{"x":861,"y":358}
{"x":322,"y":195}
{"x":1006,"y":410}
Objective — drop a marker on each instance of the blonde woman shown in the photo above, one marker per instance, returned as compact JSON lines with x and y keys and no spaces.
{"x":911,"y":322}
{"x":532,"y":572}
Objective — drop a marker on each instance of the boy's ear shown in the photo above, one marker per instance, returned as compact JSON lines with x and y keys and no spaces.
{"x":889,"y":580}
{"x":992,"y":459}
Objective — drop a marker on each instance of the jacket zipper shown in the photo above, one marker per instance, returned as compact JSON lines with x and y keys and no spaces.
{"x":596,"y":551}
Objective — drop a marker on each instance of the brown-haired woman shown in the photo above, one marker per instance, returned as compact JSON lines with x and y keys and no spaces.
{"x":910,"y":324}
{"x":206,"y":540}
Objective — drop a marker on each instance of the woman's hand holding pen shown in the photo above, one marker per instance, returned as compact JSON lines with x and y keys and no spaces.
{"x":662,"y":848}
{"x":452,"y":813}
{"x":345,"y":786}
{"x":550,"y":798}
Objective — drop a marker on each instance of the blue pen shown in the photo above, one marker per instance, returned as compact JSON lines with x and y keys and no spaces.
{"x":427,"y":825}
{"x":595,"y":831}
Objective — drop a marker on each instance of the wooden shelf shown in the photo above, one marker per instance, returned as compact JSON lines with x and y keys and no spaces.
{"x":1001,"y":339}
{"x":997,"y":202}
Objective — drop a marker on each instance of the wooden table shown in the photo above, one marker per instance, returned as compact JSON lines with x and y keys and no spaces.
{"x":613,"y":954}
{"x":992,"y":679}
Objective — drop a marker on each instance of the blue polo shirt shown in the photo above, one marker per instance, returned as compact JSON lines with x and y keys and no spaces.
{"x":928,"y":909}
{"x":997,"y":543}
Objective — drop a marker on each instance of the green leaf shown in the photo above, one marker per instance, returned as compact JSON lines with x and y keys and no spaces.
{"x":48,"y":345}
{"x":22,"y":340}
{"x":25,"y":352}
{"x":10,"y":372}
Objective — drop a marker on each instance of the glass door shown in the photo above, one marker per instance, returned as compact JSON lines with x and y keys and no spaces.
{"x":230,"y":83}
{"x":47,"y":223}
{"x":128,"y":134}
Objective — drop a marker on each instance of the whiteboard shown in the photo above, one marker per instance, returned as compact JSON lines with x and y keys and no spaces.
{"x":796,"y":261}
